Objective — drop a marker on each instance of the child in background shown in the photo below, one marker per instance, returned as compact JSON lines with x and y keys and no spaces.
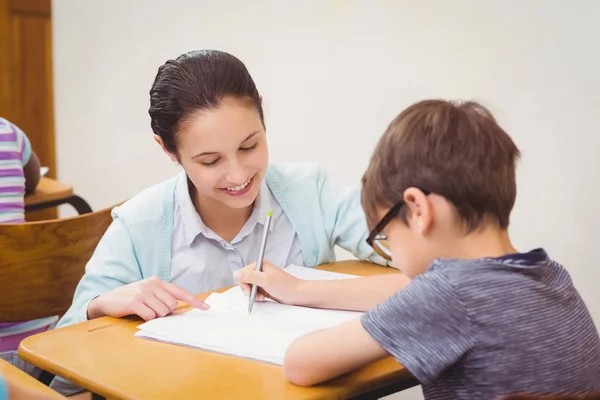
{"x":19,"y":171}
{"x":19,"y":174}
{"x":479,"y":318}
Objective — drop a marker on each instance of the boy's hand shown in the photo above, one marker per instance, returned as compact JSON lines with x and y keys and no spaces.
{"x":273,"y":283}
{"x":149,"y":298}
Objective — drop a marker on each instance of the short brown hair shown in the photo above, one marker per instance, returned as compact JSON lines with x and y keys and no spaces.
{"x":454,"y":149}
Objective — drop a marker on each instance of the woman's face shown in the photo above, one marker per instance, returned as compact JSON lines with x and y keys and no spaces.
{"x":224,"y":153}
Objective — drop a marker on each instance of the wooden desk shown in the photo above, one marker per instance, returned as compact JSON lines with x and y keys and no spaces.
{"x":26,"y":383}
{"x":104,"y":357}
{"x":51,"y":193}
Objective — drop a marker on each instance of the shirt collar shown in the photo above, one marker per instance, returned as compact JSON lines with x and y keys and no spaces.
{"x":261,"y":206}
{"x":191,"y":221}
{"x":193,"y":224}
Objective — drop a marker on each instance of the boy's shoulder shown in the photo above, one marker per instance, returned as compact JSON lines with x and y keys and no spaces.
{"x":464,"y":320}
{"x":525,"y":268}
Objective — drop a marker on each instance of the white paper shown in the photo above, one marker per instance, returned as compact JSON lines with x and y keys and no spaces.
{"x":263,"y":335}
{"x":311,"y":274}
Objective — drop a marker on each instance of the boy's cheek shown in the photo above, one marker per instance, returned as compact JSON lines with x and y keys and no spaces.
{"x":406,"y":256}
{"x":400,"y":257}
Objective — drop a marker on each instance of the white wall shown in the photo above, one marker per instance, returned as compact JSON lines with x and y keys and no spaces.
{"x":333,"y":74}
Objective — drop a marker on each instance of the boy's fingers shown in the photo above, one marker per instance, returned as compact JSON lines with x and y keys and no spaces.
{"x":250,"y":276}
{"x":246,"y":288}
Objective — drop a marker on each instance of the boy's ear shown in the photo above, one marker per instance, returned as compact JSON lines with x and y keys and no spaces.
{"x":158,"y":140}
{"x":419,"y":210}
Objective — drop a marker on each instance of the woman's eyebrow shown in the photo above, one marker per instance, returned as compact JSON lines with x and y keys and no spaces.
{"x":212,"y":153}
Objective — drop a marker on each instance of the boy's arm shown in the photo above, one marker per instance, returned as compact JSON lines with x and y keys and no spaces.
{"x":359,"y":294}
{"x":323,"y":355}
{"x":425,"y":327}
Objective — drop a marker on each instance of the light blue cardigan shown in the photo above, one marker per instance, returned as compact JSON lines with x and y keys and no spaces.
{"x":137,"y":245}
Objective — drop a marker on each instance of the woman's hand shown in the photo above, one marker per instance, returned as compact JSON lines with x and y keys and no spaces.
{"x":149,"y":298}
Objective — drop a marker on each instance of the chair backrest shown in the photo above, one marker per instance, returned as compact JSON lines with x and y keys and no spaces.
{"x":41,"y":263}
{"x":525,"y":396}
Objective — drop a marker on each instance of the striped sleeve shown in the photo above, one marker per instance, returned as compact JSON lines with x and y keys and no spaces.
{"x":24,"y":145}
{"x":425,"y":326}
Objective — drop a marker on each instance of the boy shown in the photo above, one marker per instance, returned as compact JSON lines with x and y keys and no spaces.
{"x":479,"y":319}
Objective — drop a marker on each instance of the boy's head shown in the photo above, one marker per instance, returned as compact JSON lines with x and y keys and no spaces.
{"x":442,"y":170}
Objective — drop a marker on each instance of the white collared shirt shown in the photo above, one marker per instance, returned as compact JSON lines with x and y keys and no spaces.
{"x":201,"y":260}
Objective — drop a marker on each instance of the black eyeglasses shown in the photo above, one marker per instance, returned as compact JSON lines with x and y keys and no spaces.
{"x":379,"y":242}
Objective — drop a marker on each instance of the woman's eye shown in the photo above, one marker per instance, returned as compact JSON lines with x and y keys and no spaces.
{"x":208,"y":164}
{"x":249,"y":148}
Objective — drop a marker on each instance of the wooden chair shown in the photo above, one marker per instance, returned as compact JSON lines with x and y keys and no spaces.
{"x":23,"y":386}
{"x":525,"y":396}
{"x":41,"y":263}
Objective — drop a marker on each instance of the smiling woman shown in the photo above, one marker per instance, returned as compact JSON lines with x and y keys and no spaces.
{"x":190,"y":233}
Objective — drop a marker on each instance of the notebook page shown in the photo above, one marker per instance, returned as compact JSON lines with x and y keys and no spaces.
{"x":227,"y":328}
{"x":264,"y":335}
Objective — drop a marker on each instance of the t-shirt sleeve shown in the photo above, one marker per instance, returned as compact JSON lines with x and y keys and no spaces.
{"x":25,"y":145}
{"x":425,"y":326}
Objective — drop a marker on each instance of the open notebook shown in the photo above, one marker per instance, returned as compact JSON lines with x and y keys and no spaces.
{"x":227,"y":328}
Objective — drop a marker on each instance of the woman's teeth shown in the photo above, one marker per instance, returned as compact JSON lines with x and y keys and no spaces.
{"x":241,"y":187}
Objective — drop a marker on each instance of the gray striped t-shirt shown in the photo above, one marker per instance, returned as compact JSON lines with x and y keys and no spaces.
{"x":475,"y":329}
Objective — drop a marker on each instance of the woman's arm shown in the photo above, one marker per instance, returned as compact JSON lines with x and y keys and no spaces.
{"x":112,"y":265}
{"x":344,"y":218}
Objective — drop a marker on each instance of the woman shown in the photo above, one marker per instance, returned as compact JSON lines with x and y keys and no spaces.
{"x":189,"y":234}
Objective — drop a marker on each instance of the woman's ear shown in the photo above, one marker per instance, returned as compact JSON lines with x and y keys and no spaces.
{"x":173,"y":157}
{"x":419,"y":210}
